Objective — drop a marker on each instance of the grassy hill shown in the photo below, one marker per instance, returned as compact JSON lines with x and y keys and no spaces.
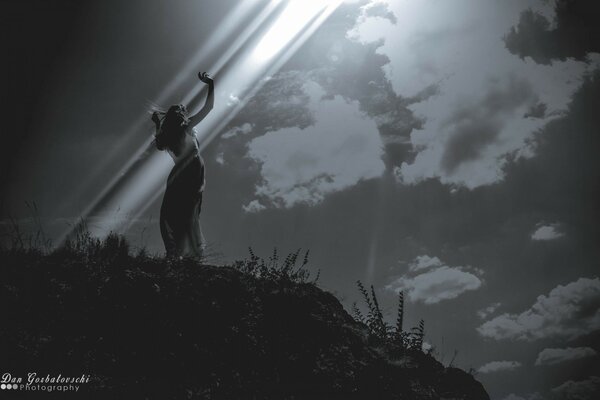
{"x":148,"y":327}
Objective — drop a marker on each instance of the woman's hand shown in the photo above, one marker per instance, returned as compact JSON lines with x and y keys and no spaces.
{"x":204,"y":77}
{"x":210,"y":100}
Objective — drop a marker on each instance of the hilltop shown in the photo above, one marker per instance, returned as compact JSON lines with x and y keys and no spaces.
{"x":147,"y":327}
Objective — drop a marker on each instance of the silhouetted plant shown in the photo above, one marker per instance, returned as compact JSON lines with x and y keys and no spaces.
{"x":401,"y":338}
{"x":40,"y":241}
{"x":400,"y":317}
{"x":394,"y":339}
{"x":374,"y":319}
{"x":35,"y":241}
{"x":290,"y":269}
{"x":451,"y":364}
{"x":416,"y":336}
{"x":357,"y":314}
{"x":81,"y":241}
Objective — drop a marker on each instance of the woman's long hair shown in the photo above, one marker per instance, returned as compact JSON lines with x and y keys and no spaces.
{"x":173,"y":125}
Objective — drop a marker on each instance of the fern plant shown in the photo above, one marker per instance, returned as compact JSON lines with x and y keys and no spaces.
{"x":416,"y":336}
{"x":400,"y":317}
{"x":393,"y":338}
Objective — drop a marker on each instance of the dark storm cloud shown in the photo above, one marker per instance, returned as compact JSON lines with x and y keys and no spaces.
{"x":476,"y":127}
{"x":575,"y":33}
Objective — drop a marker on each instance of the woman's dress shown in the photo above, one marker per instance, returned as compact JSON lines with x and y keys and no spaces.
{"x":180,"y":209}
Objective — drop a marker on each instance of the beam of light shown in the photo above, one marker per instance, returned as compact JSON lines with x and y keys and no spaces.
{"x":224,"y":34}
{"x":292,"y":20}
{"x":140,"y":189}
{"x":380,"y":204}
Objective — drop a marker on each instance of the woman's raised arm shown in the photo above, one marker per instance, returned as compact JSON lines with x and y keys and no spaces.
{"x":210,"y":100}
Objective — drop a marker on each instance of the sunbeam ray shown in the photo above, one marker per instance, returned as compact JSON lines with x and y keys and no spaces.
{"x":140,"y":180}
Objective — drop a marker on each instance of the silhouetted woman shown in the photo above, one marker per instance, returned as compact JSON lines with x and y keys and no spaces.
{"x":180,"y":209}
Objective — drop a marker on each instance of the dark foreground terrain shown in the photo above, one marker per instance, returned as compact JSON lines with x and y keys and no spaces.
{"x":145,"y":327}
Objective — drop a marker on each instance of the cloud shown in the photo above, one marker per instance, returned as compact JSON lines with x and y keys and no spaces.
{"x":244,"y":129}
{"x":557,"y":356}
{"x":379,"y":9}
{"x":424,"y":262}
{"x":439,"y":282}
{"x":253,"y":207}
{"x":486,"y":105}
{"x":496,"y":366}
{"x":546,"y":232}
{"x":345,"y":64}
{"x":567,"y":311}
{"x":471,"y":144}
{"x":303,"y":165}
{"x":282,"y":102}
{"x":573,"y":33}
{"x":473,"y":128}
{"x":587,"y":389}
{"x":489,"y":310}
{"x":232,"y":100}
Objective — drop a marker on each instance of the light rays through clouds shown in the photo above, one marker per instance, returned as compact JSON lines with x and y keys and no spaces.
{"x":268,"y":41}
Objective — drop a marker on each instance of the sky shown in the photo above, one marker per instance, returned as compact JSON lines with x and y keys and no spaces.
{"x":446,"y":149}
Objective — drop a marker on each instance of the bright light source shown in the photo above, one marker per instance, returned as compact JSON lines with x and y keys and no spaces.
{"x":296,"y":15}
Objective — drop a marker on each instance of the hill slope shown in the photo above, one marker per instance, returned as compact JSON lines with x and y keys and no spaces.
{"x":145,"y":327}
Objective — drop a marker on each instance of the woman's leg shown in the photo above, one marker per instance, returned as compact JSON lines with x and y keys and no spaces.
{"x":166,"y":230}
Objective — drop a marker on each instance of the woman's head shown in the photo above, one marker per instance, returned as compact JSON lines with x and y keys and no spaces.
{"x":172,"y":128}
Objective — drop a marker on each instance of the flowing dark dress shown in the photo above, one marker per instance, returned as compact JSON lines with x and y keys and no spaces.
{"x":180,"y":209}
